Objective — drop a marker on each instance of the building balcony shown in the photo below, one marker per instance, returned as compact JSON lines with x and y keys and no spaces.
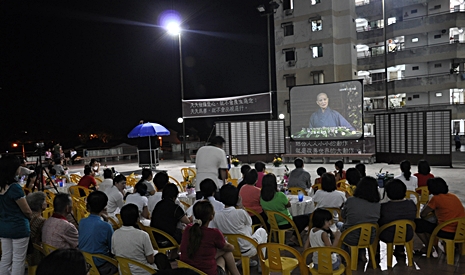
{"x":372,"y":10}
{"x":369,"y":61}
{"x":420,"y":83}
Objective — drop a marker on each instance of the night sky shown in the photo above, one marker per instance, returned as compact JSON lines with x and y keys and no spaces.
{"x":70,"y":67}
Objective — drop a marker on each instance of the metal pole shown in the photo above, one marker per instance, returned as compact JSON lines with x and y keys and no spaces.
{"x":385,"y":56}
{"x":182,"y":98}
{"x":269,"y":59}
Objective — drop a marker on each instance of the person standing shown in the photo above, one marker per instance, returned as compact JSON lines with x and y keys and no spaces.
{"x":14,"y":215}
{"x":211,"y":163}
{"x":458,"y":144}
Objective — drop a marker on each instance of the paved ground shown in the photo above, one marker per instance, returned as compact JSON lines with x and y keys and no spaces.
{"x":455,"y":177}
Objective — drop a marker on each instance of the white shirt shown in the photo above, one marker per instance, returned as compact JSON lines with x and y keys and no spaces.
{"x":207,"y":162}
{"x":115,"y":200}
{"x":217,"y":206}
{"x":132,"y":243}
{"x":138,"y":200}
{"x":106,"y":183}
{"x":411,"y":184}
{"x":234,"y":221}
{"x":324,"y":199}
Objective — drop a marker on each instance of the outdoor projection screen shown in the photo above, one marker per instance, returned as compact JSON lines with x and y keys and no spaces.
{"x":337,"y":114}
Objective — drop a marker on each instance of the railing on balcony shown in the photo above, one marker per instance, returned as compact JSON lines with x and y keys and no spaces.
{"x":379,"y":50}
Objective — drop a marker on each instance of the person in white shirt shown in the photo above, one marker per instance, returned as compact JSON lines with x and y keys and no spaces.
{"x":115,"y":195}
{"x":139,"y":198}
{"x":211,"y":162}
{"x":146,"y":178}
{"x":237,"y":221}
{"x":407,"y":178}
{"x":208,"y":188}
{"x":328,"y":196}
{"x":107,"y":180}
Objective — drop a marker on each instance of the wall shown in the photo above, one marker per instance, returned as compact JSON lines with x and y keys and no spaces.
{"x":422,"y":69}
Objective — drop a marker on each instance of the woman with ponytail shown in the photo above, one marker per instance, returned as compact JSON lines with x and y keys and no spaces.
{"x":205,"y":248}
{"x":339,"y":173}
{"x":406,"y":177}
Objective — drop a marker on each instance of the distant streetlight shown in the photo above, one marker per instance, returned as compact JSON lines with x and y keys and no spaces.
{"x":281,"y":116}
{"x":174,"y":28}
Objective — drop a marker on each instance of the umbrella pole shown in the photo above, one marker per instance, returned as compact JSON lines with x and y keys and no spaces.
{"x":150,"y":148}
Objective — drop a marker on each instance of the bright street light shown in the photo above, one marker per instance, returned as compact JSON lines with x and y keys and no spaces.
{"x":173,"y":28}
{"x":180,"y":120}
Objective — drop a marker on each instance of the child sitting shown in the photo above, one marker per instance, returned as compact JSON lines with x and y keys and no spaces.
{"x":321,"y":235}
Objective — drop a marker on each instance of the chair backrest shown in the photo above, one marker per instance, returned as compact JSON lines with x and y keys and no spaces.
{"x":74,"y":178}
{"x":260,"y":218}
{"x":186,"y":205}
{"x":48,"y":212}
{"x":459,"y":231}
{"x":345,"y":187}
{"x":182,"y":264}
{"x":114,"y":223}
{"x":40,"y":249}
{"x":48,"y":248}
{"x":400,"y":230}
{"x":49,"y":196}
{"x":274,"y":223}
{"x":336,"y":212}
{"x":131,"y":180}
{"x":179,"y":185}
{"x":74,"y":191}
{"x":316,"y":186}
{"x":325,"y":259}
{"x":365,"y":234}
{"x":234,"y":240}
{"x":295,"y":190}
{"x":90,"y":260}
{"x":98,"y":180}
{"x":409,"y":194}
{"x":424,"y":197}
{"x":274,"y":256}
{"x":152,"y":233}
{"x":188,"y":174}
{"x":125,"y":262}
{"x":26,"y":190}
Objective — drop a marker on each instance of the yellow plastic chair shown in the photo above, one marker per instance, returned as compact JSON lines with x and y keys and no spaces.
{"x":325,"y":265}
{"x":400,"y":235}
{"x":182,"y":264}
{"x":118,"y":216}
{"x":345,"y":187}
{"x":98,"y":180}
{"x":233,"y":239}
{"x":124,"y":266}
{"x":81,"y":212}
{"x":75,"y":178}
{"x":48,"y":212}
{"x":274,"y":228}
{"x":153,"y":231}
{"x":74,"y":191}
{"x":450,"y":244}
{"x":27,"y":190}
{"x":90,"y":260}
{"x":277,"y":263}
{"x":188,"y":174}
{"x":114,"y":223}
{"x":260,"y":218}
{"x":48,"y":248}
{"x":409,"y":194}
{"x":295,"y":190}
{"x":424,"y":197}
{"x":49,"y":196}
{"x":179,"y":185}
{"x":363,"y":242}
{"x":131,"y":180}
{"x":40,"y":249}
{"x":232,"y":181}
{"x":316,"y":187}
{"x":186,"y":205}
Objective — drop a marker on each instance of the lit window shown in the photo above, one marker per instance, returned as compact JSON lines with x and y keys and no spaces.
{"x":288,"y":6}
{"x":415,"y":40}
{"x":314,"y":2}
{"x":317,"y":25}
{"x":288,"y":29}
{"x":317,"y":50}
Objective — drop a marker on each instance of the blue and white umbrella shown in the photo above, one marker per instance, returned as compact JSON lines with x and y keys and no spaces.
{"x":149,"y":130}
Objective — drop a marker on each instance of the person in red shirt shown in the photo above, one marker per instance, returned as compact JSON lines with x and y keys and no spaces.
{"x":88,"y":181}
{"x":340,"y":173}
{"x":423,"y":173}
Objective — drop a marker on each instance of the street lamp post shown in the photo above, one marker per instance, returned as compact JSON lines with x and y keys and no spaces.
{"x":175,"y":29}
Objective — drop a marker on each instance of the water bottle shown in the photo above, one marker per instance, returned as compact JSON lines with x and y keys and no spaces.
{"x":300,"y":196}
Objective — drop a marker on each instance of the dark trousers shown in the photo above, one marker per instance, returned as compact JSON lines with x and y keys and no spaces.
{"x":300,"y":221}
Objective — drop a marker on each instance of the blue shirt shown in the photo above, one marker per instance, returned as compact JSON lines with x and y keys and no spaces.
{"x":13,"y":222}
{"x":95,"y":237}
{"x":329,"y":118}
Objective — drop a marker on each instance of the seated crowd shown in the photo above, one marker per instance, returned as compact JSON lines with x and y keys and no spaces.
{"x":199,"y":229}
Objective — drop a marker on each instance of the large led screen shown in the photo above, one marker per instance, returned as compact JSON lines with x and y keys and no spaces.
{"x":327,"y":111}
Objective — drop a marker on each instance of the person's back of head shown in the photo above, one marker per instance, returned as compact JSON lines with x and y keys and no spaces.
{"x":362,"y":169}
{"x":320,"y":216}
{"x":129,"y":214}
{"x":208,"y":188}
{"x":423,"y":167}
{"x":53,"y":172}
{"x":61,"y":202}
{"x":395,"y":189}
{"x":405,"y":168}
{"x":260,"y":166}
{"x":57,"y":161}
{"x":146,"y":174}
{"x":367,"y":189}
{"x":140,"y":188}
{"x":245,"y":169}
{"x":87,"y":170}
{"x":96,"y":202}
{"x":36,"y":201}
{"x":353,"y":176}
{"x":437,"y":186}
{"x":217,"y":141}
{"x":299,"y":163}
{"x":108,"y":174}
{"x":328,"y":182}
{"x":269,"y":187}
{"x":320,"y":171}
{"x":229,"y":195}
{"x":119,"y":178}
{"x":160,"y":180}
{"x":63,"y":261}
{"x":339,"y":165}
{"x":170,"y":191}
{"x":8,"y":166}
{"x":251,"y":177}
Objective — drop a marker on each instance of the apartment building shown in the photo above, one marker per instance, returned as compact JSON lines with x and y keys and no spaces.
{"x":320,"y":41}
